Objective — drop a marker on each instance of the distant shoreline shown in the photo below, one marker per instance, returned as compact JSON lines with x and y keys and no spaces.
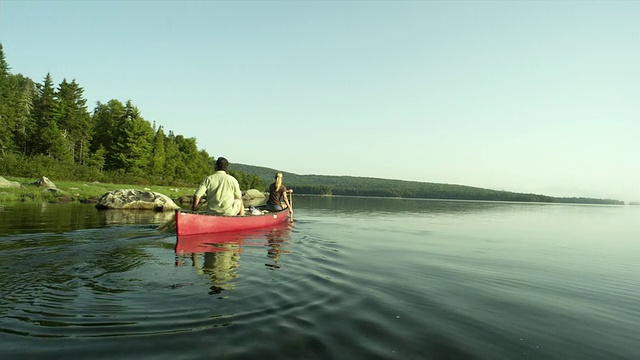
{"x":90,"y":192}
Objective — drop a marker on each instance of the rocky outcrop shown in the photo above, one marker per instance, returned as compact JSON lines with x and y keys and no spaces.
{"x":4,"y":183}
{"x":136,"y":199}
{"x":44,"y":182}
{"x":253,"y":194}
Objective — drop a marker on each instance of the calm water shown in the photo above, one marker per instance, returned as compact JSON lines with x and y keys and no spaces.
{"x":353,"y":278}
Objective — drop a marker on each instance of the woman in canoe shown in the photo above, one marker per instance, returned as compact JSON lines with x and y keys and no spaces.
{"x":277,"y":193}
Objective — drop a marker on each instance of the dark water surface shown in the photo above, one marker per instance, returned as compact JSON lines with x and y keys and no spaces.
{"x":353,"y":278}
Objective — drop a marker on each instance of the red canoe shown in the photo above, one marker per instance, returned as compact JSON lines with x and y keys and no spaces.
{"x":191,"y":223}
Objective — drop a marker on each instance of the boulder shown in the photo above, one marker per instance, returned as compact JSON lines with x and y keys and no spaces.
{"x":4,"y":183}
{"x":186,"y":199}
{"x":45,"y":183}
{"x":136,"y":199}
{"x":252,"y":194}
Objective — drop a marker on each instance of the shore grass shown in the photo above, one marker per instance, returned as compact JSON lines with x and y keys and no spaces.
{"x":79,"y":191}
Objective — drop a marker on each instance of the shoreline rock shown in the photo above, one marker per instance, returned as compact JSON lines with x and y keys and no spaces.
{"x":4,"y":183}
{"x":136,"y":199}
{"x":44,"y":182}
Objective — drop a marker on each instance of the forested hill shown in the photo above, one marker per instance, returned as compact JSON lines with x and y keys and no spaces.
{"x":366,"y":186}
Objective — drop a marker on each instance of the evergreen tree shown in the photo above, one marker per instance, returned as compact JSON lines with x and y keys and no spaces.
{"x":4,"y":66}
{"x":24,"y":124}
{"x":74,"y":119}
{"x":132,"y":141}
{"x":104,"y":121}
{"x":49,"y":140}
{"x":16,"y":104}
{"x":159,"y":158}
{"x":172,"y":157}
{"x":189,"y":164}
{"x":7,"y":120}
{"x":36,"y":120}
{"x":96,"y":159}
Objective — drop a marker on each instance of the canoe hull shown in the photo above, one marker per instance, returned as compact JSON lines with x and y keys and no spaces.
{"x":231,"y":240}
{"x":192,"y":223}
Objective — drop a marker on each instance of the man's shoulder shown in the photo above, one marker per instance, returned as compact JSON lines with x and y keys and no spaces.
{"x":218,"y":175}
{"x":233,"y":179}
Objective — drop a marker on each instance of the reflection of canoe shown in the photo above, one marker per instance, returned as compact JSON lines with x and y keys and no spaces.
{"x":190,"y":223}
{"x":216,"y":242}
{"x":201,"y":243}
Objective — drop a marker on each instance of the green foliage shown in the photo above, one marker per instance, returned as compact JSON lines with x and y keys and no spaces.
{"x":104,"y":121}
{"x":48,"y":138}
{"x":41,"y":165}
{"x":49,"y":132}
{"x":24,"y":125}
{"x":159,"y":157}
{"x":80,"y":190}
{"x":131,"y":143}
{"x":74,"y":120}
{"x":11,"y":106}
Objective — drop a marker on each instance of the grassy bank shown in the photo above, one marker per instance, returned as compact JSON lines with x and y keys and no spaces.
{"x":78,"y":191}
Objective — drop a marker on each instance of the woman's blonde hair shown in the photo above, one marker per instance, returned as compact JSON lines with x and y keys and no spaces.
{"x":278,"y":180}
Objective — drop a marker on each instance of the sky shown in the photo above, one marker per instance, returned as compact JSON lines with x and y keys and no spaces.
{"x":528,"y":96}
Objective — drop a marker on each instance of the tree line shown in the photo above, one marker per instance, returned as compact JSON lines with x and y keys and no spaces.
{"x":48,"y":130}
{"x":368,"y":186}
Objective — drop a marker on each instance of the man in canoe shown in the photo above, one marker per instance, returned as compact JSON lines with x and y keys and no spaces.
{"x":223,"y":192}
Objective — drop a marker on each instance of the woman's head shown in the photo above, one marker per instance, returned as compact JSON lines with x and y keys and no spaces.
{"x":278,"y":178}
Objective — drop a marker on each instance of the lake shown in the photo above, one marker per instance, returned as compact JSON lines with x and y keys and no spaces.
{"x":352,"y":278}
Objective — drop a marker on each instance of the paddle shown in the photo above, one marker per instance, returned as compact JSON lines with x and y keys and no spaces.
{"x":202,"y":201}
{"x":290,"y":191}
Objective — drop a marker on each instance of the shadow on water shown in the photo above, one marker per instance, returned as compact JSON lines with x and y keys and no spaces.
{"x":217,"y":255}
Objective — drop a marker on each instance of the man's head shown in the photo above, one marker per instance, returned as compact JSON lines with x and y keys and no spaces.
{"x":222,"y":164}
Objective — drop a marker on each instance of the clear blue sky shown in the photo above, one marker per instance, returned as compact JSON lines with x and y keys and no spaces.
{"x":526,"y":96}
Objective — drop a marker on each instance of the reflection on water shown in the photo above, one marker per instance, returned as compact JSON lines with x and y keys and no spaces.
{"x":44,"y":217}
{"x":19,"y":218}
{"x":217,"y":255}
{"x":350,"y":204}
{"x":276,"y":240}
{"x":354,"y":279}
{"x":122,"y":216}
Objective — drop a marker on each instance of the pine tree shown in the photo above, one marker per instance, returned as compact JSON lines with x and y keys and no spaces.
{"x":104,"y":122}
{"x":96,"y":159}
{"x":7,"y":120}
{"x":159,"y":158}
{"x":4,"y":66}
{"x":132,"y":142}
{"x":173,"y":159}
{"x":50,"y":140}
{"x":24,"y":123}
{"x":74,"y":119}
